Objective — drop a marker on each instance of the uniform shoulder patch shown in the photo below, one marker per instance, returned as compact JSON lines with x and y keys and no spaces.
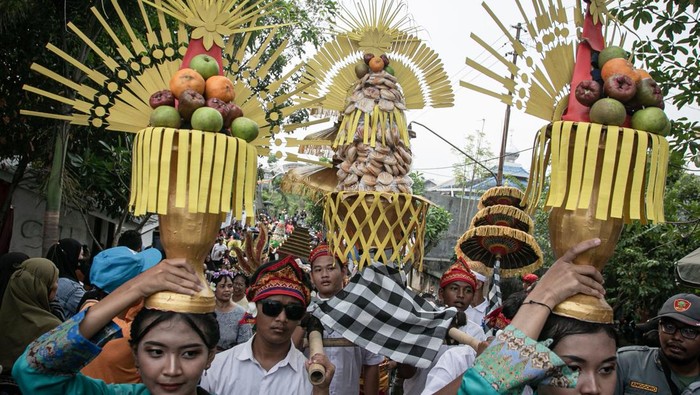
{"x":644,"y":386}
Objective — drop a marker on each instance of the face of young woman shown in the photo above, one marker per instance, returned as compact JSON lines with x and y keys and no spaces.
{"x":593,"y":356}
{"x":224,"y":289}
{"x":171,"y":358}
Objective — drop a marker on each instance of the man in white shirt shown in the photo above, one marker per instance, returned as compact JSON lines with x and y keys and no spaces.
{"x":452,"y":364}
{"x":457,"y":287}
{"x":269,"y":363}
{"x":477,"y":308}
{"x":328,"y":275}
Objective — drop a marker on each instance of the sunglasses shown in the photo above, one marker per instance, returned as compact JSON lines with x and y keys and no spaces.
{"x":273,"y":308}
{"x":688,"y":333}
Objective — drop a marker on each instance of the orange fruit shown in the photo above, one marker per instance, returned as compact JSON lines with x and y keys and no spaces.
{"x":376,"y":64}
{"x":219,"y":87}
{"x":618,"y":66}
{"x":642,"y":74}
{"x":186,"y":79}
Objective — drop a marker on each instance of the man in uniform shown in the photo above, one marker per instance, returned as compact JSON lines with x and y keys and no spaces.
{"x":675,"y":367}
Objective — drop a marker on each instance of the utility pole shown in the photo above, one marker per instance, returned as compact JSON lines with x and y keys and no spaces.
{"x":506,"y":122}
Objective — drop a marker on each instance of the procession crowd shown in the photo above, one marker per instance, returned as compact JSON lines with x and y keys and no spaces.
{"x":66,"y":327}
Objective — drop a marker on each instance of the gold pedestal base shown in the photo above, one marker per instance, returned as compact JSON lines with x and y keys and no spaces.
{"x":585,"y":308}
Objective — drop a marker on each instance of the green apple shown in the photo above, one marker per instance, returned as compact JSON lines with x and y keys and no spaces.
{"x":207,"y":119}
{"x":610,"y":52}
{"x":245,"y":128}
{"x":205,"y":65}
{"x":650,"y":119}
{"x":608,"y":112}
{"x":165,"y":116}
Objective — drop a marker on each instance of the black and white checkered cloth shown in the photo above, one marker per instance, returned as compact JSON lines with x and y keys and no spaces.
{"x":495,"y":299}
{"x":377,"y":312}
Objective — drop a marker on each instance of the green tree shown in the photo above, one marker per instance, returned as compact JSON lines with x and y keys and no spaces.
{"x":95,"y":148}
{"x":639,"y":276}
{"x":437,"y":220}
{"x":671,"y":57}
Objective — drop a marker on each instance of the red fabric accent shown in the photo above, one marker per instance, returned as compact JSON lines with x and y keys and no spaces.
{"x":458,"y":272}
{"x":196,"y":47}
{"x":321,"y":250}
{"x":592,"y":40}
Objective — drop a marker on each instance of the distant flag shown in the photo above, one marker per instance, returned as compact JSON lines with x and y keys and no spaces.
{"x":377,"y":312}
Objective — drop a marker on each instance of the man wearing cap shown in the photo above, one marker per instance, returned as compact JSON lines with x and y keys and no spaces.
{"x":528,"y":280}
{"x":675,"y":367}
{"x":110,"y":269}
{"x":457,"y":287}
{"x":269,"y":363}
{"x":327,"y":275}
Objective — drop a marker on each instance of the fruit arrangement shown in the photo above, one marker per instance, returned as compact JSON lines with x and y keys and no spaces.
{"x":200,"y":98}
{"x":617,"y":90}
{"x":380,"y":161}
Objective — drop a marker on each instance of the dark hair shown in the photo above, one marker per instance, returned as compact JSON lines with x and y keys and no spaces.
{"x":64,"y":254}
{"x":246,"y":281}
{"x":513,"y":303}
{"x":558,"y":327}
{"x":131,"y":239}
{"x":9,"y":263}
{"x":205,"y":325}
{"x":217,"y":279}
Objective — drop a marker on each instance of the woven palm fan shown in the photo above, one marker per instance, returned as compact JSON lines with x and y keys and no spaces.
{"x":601,"y":175}
{"x":374,"y":70}
{"x":312,"y":181}
{"x":513,"y":250}
{"x":191,"y":178}
{"x":502,"y":215}
{"x":508,"y":196}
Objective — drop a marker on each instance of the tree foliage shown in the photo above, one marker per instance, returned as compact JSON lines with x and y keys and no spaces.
{"x":671,"y":57}
{"x":639,"y":276}
{"x":437,"y":220}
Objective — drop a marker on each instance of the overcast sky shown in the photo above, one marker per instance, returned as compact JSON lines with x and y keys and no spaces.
{"x":446,"y":26}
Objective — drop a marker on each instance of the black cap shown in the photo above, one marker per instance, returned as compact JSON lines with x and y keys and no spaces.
{"x":682,"y":307}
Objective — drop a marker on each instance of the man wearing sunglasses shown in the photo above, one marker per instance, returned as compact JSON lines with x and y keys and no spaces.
{"x":675,"y":367}
{"x":269,"y":363}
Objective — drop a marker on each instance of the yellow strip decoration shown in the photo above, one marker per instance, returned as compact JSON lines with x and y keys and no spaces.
{"x":634,"y":164}
{"x":204,"y":179}
{"x":394,"y":224}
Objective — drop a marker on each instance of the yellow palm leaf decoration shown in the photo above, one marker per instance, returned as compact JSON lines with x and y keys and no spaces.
{"x":221,"y":172}
{"x":630,"y":183}
{"x":377,"y":28}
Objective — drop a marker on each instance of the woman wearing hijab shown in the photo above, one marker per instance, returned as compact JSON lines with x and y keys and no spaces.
{"x":9,"y":263}
{"x":66,"y":255}
{"x":25,"y":310}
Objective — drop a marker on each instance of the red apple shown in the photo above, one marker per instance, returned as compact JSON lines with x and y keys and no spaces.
{"x":620,"y":87}
{"x":162,"y":98}
{"x":587,"y":92}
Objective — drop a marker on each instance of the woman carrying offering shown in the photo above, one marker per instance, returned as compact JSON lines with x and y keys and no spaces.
{"x":571,"y":357}
{"x":171,"y":349}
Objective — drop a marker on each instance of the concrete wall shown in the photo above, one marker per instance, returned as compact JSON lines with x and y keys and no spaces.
{"x":27,"y":230}
{"x":439,"y":258}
